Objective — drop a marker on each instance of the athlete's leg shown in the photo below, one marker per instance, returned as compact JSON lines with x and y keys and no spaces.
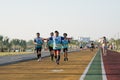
{"x":52,"y":54}
{"x":37,"y":51}
{"x":39,"y":54}
{"x":58,"y":56}
{"x":55,"y":54}
{"x":92,"y":49}
{"x":65,"y":55}
{"x":105,"y":50}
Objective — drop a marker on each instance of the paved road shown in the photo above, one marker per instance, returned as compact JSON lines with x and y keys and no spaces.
{"x":71,"y":70}
{"x":5,"y":60}
{"x":48,"y":70}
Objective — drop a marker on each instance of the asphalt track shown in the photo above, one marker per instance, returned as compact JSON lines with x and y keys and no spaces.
{"x":48,"y":70}
{"x":12,"y":59}
{"x":82,"y":65}
{"x":112,"y":65}
{"x":95,"y":70}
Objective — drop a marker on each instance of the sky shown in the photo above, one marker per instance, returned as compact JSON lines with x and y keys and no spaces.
{"x":79,"y":18}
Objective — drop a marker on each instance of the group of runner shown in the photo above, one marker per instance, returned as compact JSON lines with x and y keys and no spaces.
{"x":55,"y":44}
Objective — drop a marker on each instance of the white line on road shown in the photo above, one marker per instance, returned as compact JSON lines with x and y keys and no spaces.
{"x":87,"y":68}
{"x":103,"y":69}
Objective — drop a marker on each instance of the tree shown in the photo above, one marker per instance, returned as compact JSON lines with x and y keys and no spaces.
{"x":18,"y":44}
{"x":6,"y":44}
{"x":15,"y":44}
{"x":1,"y":43}
{"x":74,"y":43}
{"x":30,"y":45}
{"x":22,"y":45}
{"x":118,"y":44}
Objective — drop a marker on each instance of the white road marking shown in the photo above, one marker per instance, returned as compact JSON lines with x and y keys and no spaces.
{"x":87,"y":68}
{"x":103,"y":69}
{"x":57,"y":70}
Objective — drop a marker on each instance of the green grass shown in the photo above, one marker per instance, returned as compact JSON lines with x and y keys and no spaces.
{"x":13,"y":53}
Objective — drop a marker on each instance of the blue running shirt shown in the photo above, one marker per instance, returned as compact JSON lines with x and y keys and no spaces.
{"x":57,"y":43}
{"x":65,"y":43}
{"x":39,"y":42}
{"x":50,"y":42}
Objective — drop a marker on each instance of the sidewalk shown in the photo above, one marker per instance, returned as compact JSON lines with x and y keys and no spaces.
{"x":5,"y":60}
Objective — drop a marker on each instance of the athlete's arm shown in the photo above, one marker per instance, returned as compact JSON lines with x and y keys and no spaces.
{"x":69,"y":39}
{"x":34,"y":42}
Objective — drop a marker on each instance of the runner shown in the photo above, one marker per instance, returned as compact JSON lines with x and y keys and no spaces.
{"x":81,"y":46}
{"x":50,"y":45}
{"x":57,"y":45}
{"x":104,"y":46}
{"x":38,"y":41}
{"x":65,"y":42}
{"x":92,"y":46}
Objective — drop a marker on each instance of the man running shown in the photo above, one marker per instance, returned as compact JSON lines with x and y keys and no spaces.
{"x":104,"y":46}
{"x":38,"y":41}
{"x":65,"y":42}
{"x":50,"y":45}
{"x":57,"y":45}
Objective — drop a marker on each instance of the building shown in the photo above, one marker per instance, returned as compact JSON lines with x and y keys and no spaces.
{"x":84,"y":39}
